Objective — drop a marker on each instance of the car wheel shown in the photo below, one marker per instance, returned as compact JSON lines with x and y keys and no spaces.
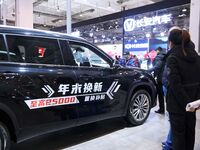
{"x":139,"y":107}
{"x":4,"y":137}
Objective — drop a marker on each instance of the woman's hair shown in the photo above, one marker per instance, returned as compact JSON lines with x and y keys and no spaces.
{"x":179,"y":37}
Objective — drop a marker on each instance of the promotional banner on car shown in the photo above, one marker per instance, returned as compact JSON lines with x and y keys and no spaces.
{"x":71,"y":92}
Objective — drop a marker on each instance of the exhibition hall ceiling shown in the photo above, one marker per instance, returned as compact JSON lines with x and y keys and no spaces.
{"x":52,"y":13}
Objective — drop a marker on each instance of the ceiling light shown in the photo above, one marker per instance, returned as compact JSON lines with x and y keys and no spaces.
{"x":182,"y":15}
{"x":162,"y":34}
{"x":148,"y":35}
{"x":184,"y":10}
{"x":108,"y":39}
{"x":91,"y":34}
{"x":81,"y":15}
{"x":76,"y":33}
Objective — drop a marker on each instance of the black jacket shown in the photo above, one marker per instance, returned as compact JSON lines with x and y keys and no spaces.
{"x":184,"y":78}
{"x":165,"y":72}
{"x":158,"y":65}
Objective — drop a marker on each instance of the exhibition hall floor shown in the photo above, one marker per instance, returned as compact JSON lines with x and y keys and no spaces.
{"x":108,"y":135}
{"x":146,"y":137}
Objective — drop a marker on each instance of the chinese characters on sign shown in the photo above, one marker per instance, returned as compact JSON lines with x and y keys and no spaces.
{"x":90,"y":92}
{"x":130,"y":24}
{"x":48,"y":102}
{"x":80,"y":88}
{"x":95,"y":97}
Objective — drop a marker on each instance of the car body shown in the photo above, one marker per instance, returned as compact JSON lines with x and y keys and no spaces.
{"x":51,"y":81}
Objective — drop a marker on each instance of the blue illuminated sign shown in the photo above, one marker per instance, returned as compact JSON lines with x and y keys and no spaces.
{"x":136,"y":45}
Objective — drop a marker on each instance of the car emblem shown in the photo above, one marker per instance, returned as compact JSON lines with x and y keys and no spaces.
{"x":129,"y":24}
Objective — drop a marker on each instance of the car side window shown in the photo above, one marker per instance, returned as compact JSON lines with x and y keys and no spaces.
{"x":3,"y":51}
{"x":34,"y":50}
{"x":84,"y":55}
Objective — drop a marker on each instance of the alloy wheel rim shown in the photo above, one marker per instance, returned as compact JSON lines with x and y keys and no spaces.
{"x":0,"y":144}
{"x":140,"y":107}
{"x":3,"y":142}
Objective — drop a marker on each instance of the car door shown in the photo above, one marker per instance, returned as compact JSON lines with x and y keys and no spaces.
{"x":35,"y":74}
{"x":98,"y":85}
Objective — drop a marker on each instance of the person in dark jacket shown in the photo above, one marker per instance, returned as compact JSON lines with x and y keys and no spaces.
{"x":184,"y":80}
{"x":167,"y":144}
{"x":158,"y":65}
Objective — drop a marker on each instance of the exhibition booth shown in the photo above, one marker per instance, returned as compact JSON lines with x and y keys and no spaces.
{"x":135,"y":34}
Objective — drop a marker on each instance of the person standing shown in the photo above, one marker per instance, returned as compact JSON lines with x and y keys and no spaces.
{"x":184,"y":79}
{"x":166,"y":145}
{"x":136,"y":61}
{"x":158,"y":65}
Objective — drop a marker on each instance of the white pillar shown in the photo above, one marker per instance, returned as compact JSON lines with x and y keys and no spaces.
{"x":3,"y":11}
{"x":24,"y":13}
{"x":69,"y":17}
{"x":195,"y":23}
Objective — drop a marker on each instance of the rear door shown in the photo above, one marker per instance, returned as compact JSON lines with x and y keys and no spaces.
{"x":35,"y":75}
{"x":98,"y":85}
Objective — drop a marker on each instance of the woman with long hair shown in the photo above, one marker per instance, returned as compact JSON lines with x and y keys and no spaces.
{"x":183,"y":87}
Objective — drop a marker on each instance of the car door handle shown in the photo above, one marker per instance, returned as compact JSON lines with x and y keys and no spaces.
{"x":28,"y":86}
{"x":85,"y":76}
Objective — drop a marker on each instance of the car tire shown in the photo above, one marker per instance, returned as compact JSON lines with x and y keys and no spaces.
{"x":139,"y":108}
{"x":4,"y":137}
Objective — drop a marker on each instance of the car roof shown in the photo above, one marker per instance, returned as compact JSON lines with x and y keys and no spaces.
{"x":41,"y":33}
{"x":36,"y":32}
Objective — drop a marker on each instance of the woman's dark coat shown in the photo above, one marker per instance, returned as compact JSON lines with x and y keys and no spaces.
{"x":184,"y":78}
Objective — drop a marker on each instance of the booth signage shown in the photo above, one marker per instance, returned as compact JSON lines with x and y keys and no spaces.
{"x":139,"y":45}
{"x":130,"y":24}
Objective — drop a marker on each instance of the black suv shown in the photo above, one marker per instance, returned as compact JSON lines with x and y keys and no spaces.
{"x":51,"y":81}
